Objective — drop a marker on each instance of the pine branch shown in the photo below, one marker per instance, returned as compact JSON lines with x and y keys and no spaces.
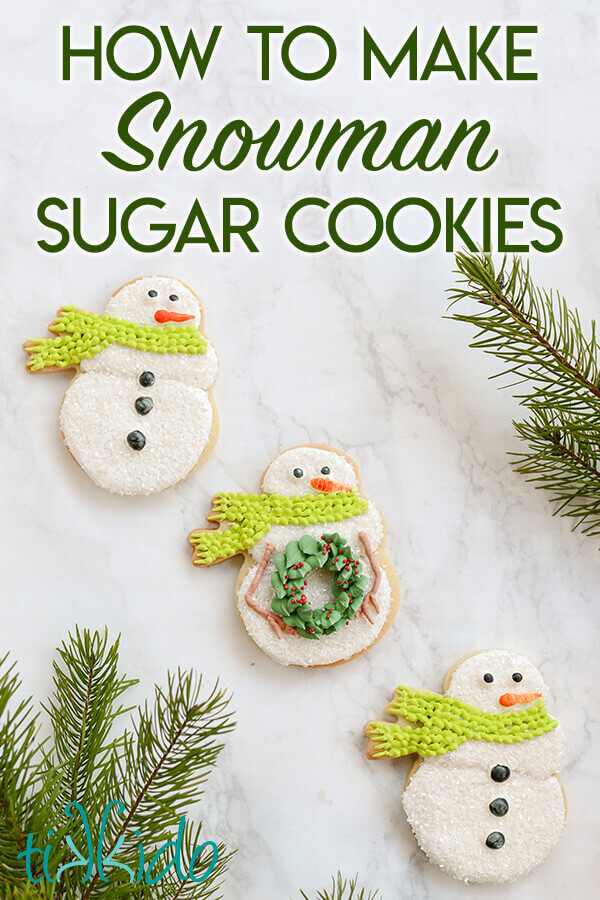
{"x":27,"y":891}
{"x":341,"y":889}
{"x":27,"y":787}
{"x":18,"y":728}
{"x":166,"y":761}
{"x":82,"y":711}
{"x":157,"y":770}
{"x":553,"y":369}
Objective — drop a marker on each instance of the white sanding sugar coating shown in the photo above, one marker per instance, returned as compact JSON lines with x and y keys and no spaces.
{"x":447,"y":799}
{"x":358,"y":634}
{"x":99,"y":409}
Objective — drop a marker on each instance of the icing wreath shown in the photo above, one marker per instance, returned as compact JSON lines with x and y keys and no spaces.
{"x":447,"y":722}
{"x":333,"y":554}
{"x":85,"y":334}
{"x":253,"y":515}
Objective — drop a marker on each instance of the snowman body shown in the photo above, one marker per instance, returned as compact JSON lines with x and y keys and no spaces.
{"x":137,"y":421}
{"x":449,"y":801}
{"x":356,"y":635}
{"x":490,"y":812}
{"x":121,"y":391}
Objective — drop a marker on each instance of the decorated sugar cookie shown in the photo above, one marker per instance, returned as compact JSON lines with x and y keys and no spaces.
{"x":316,"y":587}
{"x":138,"y":416}
{"x":483,"y":798}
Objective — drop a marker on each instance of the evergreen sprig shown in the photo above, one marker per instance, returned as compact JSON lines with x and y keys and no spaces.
{"x":157,"y":768}
{"x":27,"y":787}
{"x":343,"y":889}
{"x":553,"y":370}
{"x":82,"y":711}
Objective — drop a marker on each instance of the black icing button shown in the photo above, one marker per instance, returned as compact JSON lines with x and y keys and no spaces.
{"x":500,"y":773}
{"x":136,"y":440}
{"x":499,"y":806}
{"x":146,"y":379}
{"x":143,"y":405}
{"x":495,"y":840}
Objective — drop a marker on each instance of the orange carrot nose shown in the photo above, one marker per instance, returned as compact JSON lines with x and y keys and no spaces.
{"x":166,"y":315}
{"x":511,"y":699}
{"x":327,"y":485}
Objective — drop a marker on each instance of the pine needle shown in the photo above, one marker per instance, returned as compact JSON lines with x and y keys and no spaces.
{"x":157,"y":768}
{"x":552,"y":368}
{"x":343,"y":889}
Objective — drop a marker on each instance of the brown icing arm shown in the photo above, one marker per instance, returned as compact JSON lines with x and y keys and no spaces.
{"x":276,"y":622}
{"x":370,"y":600}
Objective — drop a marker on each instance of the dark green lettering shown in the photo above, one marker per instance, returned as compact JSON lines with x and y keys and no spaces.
{"x":123,"y":131}
{"x":169,"y":229}
{"x":242,"y":229}
{"x":54,"y":226}
{"x":371,"y":49}
{"x":513,"y":52}
{"x":196,"y":215}
{"x":443,"y":42}
{"x":201,"y":58}
{"x":152,"y":65}
{"x":390,"y":224}
{"x":537,"y":219}
{"x":289,"y":224}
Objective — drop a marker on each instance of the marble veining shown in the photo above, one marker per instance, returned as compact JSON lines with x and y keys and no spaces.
{"x":350,"y":350}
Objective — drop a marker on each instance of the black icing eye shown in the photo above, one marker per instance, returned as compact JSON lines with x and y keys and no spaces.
{"x":173,"y":297}
{"x":153,"y":294}
{"x":298,"y":473}
{"x":517,"y":676}
{"x":488,"y":677}
{"x":325,"y":470}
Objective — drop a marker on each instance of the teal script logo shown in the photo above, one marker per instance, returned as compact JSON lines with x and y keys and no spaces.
{"x":95,"y":861}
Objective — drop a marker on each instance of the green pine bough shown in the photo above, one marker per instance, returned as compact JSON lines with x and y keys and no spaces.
{"x":553,"y":368}
{"x":157,"y":767}
{"x":342,"y":889}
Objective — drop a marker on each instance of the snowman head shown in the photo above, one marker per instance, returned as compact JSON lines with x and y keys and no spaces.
{"x":156,"y":300}
{"x":310,"y":470}
{"x":497,"y":681}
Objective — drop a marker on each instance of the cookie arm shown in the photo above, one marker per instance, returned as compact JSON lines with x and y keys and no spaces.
{"x":276,"y":622}
{"x":370,"y":600}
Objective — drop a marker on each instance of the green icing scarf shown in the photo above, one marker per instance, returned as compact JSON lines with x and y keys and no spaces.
{"x":84,"y":334}
{"x":446,"y":723}
{"x":253,"y":515}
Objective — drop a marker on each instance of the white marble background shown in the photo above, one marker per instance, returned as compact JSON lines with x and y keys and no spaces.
{"x":350,"y":350}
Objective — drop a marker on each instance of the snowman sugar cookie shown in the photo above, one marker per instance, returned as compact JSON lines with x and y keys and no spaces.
{"x":483,"y":799}
{"x":138,"y":416}
{"x":316,"y":587}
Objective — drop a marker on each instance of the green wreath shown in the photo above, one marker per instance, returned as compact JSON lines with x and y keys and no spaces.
{"x":292,"y":566}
